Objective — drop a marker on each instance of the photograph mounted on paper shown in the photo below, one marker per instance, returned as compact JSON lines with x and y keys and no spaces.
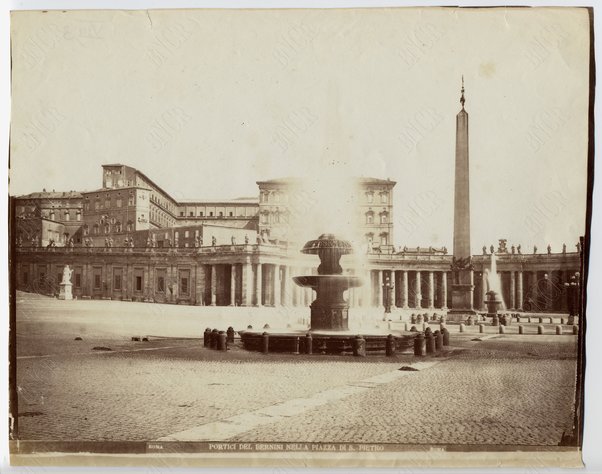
{"x":315,"y":237}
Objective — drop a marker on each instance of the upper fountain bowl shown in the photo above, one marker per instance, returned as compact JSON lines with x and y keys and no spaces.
{"x":327,"y":241}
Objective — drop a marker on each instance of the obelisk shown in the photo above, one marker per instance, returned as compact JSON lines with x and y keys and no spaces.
{"x":462,"y":271}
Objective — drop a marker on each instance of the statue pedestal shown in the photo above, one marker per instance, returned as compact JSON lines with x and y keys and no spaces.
{"x":65,"y":291}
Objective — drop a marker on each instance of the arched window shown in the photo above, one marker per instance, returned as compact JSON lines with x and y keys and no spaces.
{"x":384,"y":239}
{"x":383,"y":218}
{"x":369,"y":217}
{"x":67,"y":216}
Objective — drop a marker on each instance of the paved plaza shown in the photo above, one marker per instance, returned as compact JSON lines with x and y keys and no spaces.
{"x":489,"y":388}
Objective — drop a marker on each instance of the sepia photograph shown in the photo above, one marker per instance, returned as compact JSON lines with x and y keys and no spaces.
{"x":346,"y":237}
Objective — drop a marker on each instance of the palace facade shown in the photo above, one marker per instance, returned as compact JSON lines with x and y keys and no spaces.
{"x":130,"y":240}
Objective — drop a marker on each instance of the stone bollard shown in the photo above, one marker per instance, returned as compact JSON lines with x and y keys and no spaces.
{"x":528,"y":319}
{"x":296,"y":346}
{"x":518,"y":319}
{"x":445,"y":334}
{"x":308,"y":344}
{"x":562,"y":321}
{"x":214,"y":335}
{"x":438,"y":340}
{"x":502,"y":329}
{"x":266,"y":342}
{"x":481,"y":328}
{"x":461,"y":327}
{"x":222,"y":344}
{"x":559,"y":330}
{"x":230,"y":334}
{"x":540,"y":329}
{"x":413,"y":329}
{"x":207,"y":337}
{"x":551,"y":321}
{"x":430,"y":343}
{"x":540,"y":320}
{"x":521,"y":329}
{"x":413,"y":319}
{"x":359,"y":346}
{"x":575,"y":329}
{"x":390,"y":345}
{"x":405,"y":326}
{"x":419,"y":345}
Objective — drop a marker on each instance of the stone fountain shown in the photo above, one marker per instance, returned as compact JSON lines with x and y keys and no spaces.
{"x":329,"y":310}
{"x":493,"y":303}
{"x":329,"y":327}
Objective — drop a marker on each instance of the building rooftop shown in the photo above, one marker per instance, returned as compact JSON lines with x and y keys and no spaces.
{"x":297,"y":180}
{"x":51,"y":195}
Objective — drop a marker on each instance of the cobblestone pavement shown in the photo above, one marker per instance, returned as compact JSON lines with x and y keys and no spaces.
{"x":503,"y":390}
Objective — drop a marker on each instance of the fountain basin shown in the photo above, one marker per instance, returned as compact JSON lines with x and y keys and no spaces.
{"x":321,"y":342}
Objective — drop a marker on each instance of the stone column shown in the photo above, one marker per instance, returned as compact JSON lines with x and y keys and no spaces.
{"x":512,"y":302}
{"x":519,"y":291}
{"x":258,"y":284}
{"x":213,"y":285}
{"x":404,"y":289}
{"x":444,"y":290}
{"x":535,"y":292}
{"x":199,"y":285}
{"x":418,"y":291}
{"x":379,"y":288}
{"x":247,"y":283}
{"x":286,"y":285}
{"x":483,"y":290}
{"x":431,"y":290}
{"x":233,"y":284}
{"x":277,"y":285}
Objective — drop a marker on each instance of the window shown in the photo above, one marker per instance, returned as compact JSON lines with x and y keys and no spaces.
{"x":370,"y":197}
{"x":369,"y":218}
{"x":211,"y":214}
{"x":131,"y":200}
{"x":51,"y":215}
{"x":138,"y":283}
{"x":384,"y":197}
{"x":67,"y":216}
{"x":107,"y":203}
{"x":129,"y":226}
{"x":184,"y":286}
{"x":383,"y":218}
{"x":191,"y":213}
{"x":118,"y":202}
{"x":25,"y":278}
{"x":384,"y":239}
{"x":161,"y":284}
{"x":117,"y":282}
{"x":221,"y":214}
{"x":181,"y":213}
{"x":97,"y":204}
{"x":186,"y":234}
{"x":97,"y":282}
{"x":201,"y":213}
{"x":78,"y":280}
{"x":231,"y":214}
{"x":78,"y":216}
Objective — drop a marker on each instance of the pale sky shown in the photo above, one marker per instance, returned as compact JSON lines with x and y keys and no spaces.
{"x":206,"y":103}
